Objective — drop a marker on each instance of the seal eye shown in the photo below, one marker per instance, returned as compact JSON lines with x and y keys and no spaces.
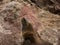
{"x":12,"y":0}
{"x":1,"y":0}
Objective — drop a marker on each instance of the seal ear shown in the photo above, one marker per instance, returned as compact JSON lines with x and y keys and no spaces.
{"x":24,"y":23}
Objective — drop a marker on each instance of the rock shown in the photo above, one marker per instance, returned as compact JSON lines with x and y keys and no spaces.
{"x":51,"y":26}
{"x":10,"y":24}
{"x":50,"y":36}
{"x":51,"y":5}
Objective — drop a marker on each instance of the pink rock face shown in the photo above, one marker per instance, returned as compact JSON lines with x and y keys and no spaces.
{"x":28,"y":13}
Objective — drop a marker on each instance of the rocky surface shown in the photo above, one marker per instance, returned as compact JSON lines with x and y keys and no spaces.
{"x":50,"y":5}
{"x":42,"y":25}
{"x":10,"y":25}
